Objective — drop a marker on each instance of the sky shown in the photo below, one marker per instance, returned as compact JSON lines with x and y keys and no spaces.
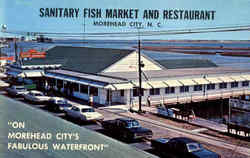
{"x":26,"y":16}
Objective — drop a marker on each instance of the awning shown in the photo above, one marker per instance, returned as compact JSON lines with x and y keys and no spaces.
{"x":110,"y":86}
{"x":123,"y":86}
{"x":144,"y":85}
{"x":238,"y":78}
{"x":201,"y":81}
{"x":76,"y":80}
{"x":214,"y":80}
{"x":13,"y":73}
{"x":158,"y":84}
{"x":119,"y":86}
{"x":226,"y":79}
{"x":173,"y":83}
{"x":187,"y":82}
{"x":247,"y":77}
{"x":31,"y":74}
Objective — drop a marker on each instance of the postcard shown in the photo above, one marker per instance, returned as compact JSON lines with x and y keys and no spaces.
{"x":124,"y":79}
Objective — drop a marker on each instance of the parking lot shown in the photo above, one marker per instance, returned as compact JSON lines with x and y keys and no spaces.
{"x":161,"y":127}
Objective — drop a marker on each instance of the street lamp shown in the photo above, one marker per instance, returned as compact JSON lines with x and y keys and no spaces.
{"x":204,"y":88}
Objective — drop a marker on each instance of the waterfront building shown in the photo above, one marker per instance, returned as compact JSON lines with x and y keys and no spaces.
{"x":111,"y":76}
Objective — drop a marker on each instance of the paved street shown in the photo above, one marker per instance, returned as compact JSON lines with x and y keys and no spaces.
{"x":159,"y":128}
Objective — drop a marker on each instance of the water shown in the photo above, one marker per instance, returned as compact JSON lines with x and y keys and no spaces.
{"x":240,"y":62}
{"x":219,"y":110}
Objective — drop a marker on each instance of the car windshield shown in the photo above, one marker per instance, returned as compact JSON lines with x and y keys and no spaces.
{"x":66,"y":105}
{"x":88,"y":110}
{"x":194,"y":147}
{"x":38,"y":94}
{"x":62,"y":101}
{"x":133,"y":124}
{"x":20,"y":88}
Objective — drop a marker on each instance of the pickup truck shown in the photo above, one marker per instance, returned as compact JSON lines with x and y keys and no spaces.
{"x":182,"y":147}
{"x":127,"y":128}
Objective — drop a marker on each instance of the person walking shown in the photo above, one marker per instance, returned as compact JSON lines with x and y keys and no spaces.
{"x":91,"y":100}
{"x":149,"y":101}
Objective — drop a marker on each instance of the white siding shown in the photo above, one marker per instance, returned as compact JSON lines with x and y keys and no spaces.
{"x":130,"y":63}
{"x":102,"y":96}
{"x":192,"y":95}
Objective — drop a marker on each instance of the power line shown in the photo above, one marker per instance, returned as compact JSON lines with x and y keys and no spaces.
{"x":142,"y":33}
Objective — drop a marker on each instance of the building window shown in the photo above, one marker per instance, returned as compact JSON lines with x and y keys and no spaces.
{"x":136,"y":92}
{"x":84,"y":89}
{"x":122,"y":93}
{"x":93,"y":91}
{"x":234,"y":84}
{"x":211,"y":86}
{"x":75,"y":87}
{"x":51,"y":82}
{"x":154,"y":91}
{"x":59,"y":83}
{"x":223,"y":85}
{"x":169,"y":90}
{"x":198,"y":88}
{"x":245,"y":83}
{"x":184,"y":89}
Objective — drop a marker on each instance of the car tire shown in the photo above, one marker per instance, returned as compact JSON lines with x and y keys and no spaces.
{"x":126,"y":137}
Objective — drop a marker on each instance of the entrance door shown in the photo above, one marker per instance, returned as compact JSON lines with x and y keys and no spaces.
{"x":109,"y":97}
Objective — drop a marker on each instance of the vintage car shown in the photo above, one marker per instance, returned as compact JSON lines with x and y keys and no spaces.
{"x":180,"y":147}
{"x":16,"y":91}
{"x":58,"y":104}
{"x":35,"y":96}
{"x":127,"y":128}
{"x":83,"y":113}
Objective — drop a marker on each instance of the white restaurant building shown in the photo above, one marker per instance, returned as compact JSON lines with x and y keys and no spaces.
{"x":111,"y":75}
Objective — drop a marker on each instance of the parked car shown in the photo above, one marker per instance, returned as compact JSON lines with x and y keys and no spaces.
{"x":83,"y":113}
{"x":182,"y":147}
{"x":58,"y":104}
{"x":127,"y":128}
{"x":16,"y":91}
{"x":35,"y":96}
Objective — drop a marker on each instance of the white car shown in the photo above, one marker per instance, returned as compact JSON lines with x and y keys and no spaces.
{"x":83,"y":113}
{"x":58,"y":104}
{"x":16,"y":91}
{"x":36,"y":97}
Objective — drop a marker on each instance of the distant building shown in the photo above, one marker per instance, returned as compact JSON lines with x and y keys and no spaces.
{"x":111,"y":76}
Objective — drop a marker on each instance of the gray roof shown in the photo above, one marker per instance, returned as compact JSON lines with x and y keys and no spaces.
{"x":186,"y":63}
{"x":91,"y":77}
{"x":179,"y":73}
{"x":81,"y":59}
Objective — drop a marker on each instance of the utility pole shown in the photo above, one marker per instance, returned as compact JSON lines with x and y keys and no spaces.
{"x":15,"y":47}
{"x":139,"y":67}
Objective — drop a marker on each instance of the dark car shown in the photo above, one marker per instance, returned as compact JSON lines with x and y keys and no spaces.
{"x":127,"y":128}
{"x":58,"y":104}
{"x":182,"y":147}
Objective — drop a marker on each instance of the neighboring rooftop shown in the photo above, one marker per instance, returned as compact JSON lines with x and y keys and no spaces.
{"x":85,"y":76}
{"x":173,"y":73}
{"x":186,"y":63}
{"x":81,"y":59}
